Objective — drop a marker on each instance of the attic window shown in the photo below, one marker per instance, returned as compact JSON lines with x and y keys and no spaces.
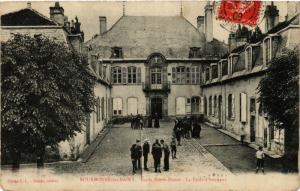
{"x":116,"y":52}
{"x":194,"y":52}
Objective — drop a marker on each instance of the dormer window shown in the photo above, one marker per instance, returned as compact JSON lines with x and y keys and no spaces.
{"x":207,"y":74}
{"x":214,"y":71}
{"x":248,"y":58}
{"x":224,"y":67}
{"x":267,"y":50}
{"x":194,"y":52}
{"x":116,"y":52}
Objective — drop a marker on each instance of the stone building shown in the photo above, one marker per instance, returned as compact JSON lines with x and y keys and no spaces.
{"x":154,"y":63}
{"x":230,"y":85}
{"x":31,"y":22}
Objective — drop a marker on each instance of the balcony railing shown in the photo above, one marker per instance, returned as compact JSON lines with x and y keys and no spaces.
{"x":164,"y":86}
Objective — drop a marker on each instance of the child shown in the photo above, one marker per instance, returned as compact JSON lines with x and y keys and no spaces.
{"x":173,"y":148}
{"x":260,"y":159}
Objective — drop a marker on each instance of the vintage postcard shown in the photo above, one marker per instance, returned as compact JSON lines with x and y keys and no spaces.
{"x":149,"y":95}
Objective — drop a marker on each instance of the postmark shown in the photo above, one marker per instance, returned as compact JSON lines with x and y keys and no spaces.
{"x":243,"y":12}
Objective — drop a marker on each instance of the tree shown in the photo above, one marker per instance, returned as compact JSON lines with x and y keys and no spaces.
{"x":46,"y":92}
{"x":279,"y":94}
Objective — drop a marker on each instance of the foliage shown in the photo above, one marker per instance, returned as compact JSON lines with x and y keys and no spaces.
{"x":279,"y":90}
{"x":47,"y":91}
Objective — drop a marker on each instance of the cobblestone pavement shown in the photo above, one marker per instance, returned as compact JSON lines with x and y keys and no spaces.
{"x":192,"y":158}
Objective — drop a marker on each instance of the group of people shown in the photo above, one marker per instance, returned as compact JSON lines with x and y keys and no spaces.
{"x":159,"y":149}
{"x":186,"y":128}
{"x":139,"y":122}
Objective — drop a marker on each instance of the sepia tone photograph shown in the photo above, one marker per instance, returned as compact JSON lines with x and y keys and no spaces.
{"x":149,"y":95}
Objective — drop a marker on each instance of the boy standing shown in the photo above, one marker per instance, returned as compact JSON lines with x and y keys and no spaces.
{"x":173,"y":148}
{"x":260,"y":159}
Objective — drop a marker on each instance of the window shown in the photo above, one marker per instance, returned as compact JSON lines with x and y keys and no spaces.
{"x":195,"y":104}
{"x":116,"y":52}
{"x":230,"y":106}
{"x":248,"y":58}
{"x":100,"y":70}
{"x":132,"y":106}
{"x":214,"y":71}
{"x":156,"y":75}
{"x":195,"y":73}
{"x":102,"y":108}
{"x":132,"y":75}
{"x":98,"y":110}
{"x":267,"y":51}
{"x":252,"y":106}
{"x":230,"y":65}
{"x":210,"y":106}
{"x":117,"y":106}
{"x":215,"y":106}
{"x":180,"y":106}
{"x":224,"y":67}
{"x":180,"y":75}
{"x":194,"y":52}
{"x":207,"y":74}
{"x":116,"y":75}
{"x":205,"y":106}
{"x":243,"y":107}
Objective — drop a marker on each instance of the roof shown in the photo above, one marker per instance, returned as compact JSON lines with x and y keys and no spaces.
{"x":139,"y":36}
{"x":26,"y":17}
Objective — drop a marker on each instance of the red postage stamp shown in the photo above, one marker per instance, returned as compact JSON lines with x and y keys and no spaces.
{"x":243,"y":12}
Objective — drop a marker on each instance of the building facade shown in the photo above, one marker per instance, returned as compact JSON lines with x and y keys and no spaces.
{"x":31,"y":22}
{"x":155,"y":63}
{"x":230,"y":85}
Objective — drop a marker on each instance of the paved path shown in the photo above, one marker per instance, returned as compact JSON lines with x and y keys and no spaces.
{"x":236,"y":157}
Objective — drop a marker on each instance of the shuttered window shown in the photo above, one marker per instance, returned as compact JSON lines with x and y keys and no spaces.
{"x":116,"y":75}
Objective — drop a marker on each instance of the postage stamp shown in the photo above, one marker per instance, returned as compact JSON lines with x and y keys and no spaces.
{"x":243,"y":12}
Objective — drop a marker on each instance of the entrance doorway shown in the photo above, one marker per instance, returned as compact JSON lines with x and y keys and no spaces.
{"x":156,"y":106}
{"x":252,"y":128}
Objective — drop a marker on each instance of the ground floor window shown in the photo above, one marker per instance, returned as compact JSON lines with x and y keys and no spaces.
{"x":210,"y":106}
{"x":195,"y":104}
{"x":102,"y":108}
{"x":117,"y":106}
{"x":180,"y":106}
{"x":132,"y":106}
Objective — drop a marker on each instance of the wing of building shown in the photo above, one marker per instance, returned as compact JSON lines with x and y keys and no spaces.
{"x":229,"y":88}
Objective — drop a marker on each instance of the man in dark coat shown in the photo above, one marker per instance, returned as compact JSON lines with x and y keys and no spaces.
{"x":156,"y":121}
{"x":134,"y":156}
{"x":196,"y":129}
{"x":139,"y":153}
{"x":166,"y":150}
{"x":156,"y":153}
{"x":146,"y":150}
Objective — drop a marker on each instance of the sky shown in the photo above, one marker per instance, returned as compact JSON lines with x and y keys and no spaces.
{"x":88,"y":12}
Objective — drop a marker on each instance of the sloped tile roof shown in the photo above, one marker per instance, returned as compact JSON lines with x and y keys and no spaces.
{"x":139,"y":36}
{"x":25,"y":17}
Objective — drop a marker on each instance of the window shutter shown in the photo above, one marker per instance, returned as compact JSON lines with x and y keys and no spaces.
{"x":233,"y":106}
{"x":201,"y":104}
{"x":111,"y":74}
{"x":138,"y":80}
{"x":173,"y":75}
{"x":124,"y":75}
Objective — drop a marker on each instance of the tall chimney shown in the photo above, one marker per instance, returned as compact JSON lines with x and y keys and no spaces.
{"x":102,"y":21}
{"x":57,"y":14}
{"x":29,"y":5}
{"x":272,"y":16}
{"x":200,"y":23}
{"x":208,"y":22}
